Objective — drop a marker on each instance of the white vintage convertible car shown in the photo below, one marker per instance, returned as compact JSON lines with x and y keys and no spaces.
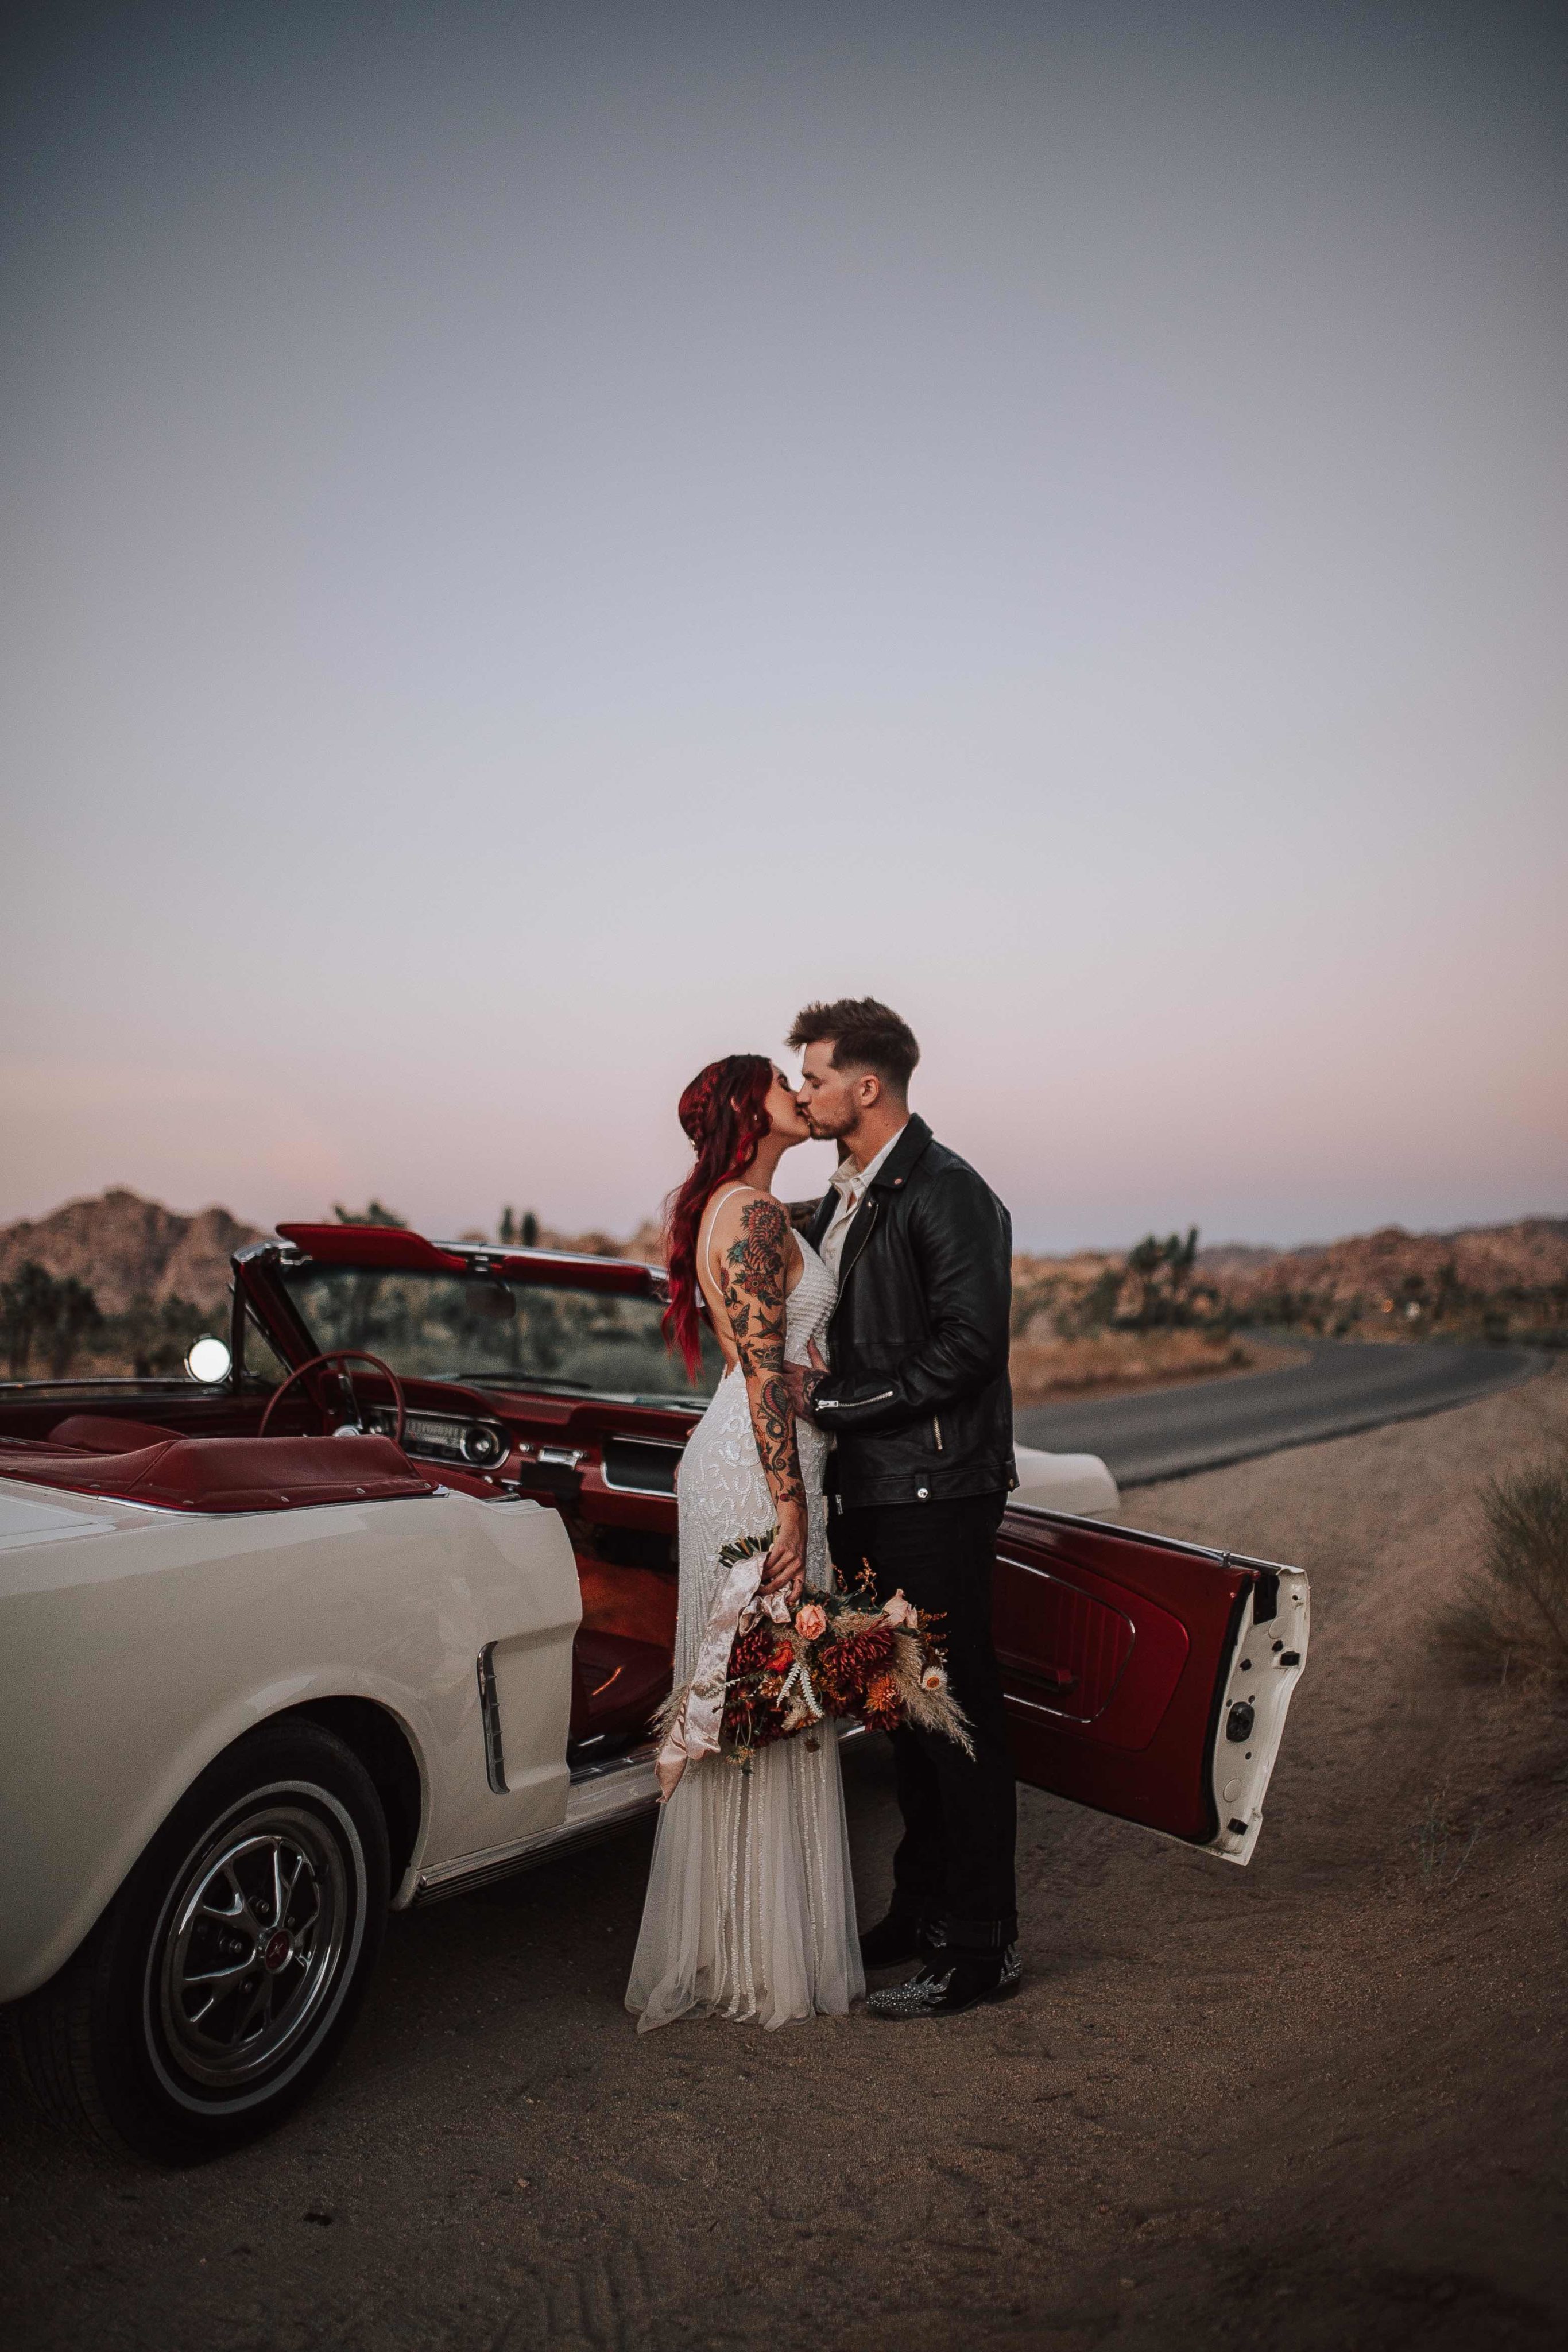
{"x":383,"y":1612}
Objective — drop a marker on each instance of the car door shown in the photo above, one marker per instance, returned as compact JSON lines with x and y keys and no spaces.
{"x":1146,"y":1677}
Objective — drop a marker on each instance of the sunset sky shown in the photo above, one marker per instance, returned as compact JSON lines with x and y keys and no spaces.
{"x":538,"y":540}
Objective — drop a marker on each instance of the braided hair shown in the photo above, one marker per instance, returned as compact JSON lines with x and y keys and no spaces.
{"x":725,"y":1113}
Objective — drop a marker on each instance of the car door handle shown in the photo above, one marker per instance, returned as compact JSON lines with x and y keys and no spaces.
{"x":1061,"y":1678}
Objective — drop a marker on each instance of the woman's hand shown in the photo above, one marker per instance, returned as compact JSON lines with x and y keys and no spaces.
{"x":784,"y":1570}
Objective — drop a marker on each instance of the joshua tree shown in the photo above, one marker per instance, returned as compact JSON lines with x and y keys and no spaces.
{"x":1163,"y":1272}
{"x":28,"y":1305}
{"x":53,"y":1316}
{"x":156,"y":1338}
{"x":76,"y":1313}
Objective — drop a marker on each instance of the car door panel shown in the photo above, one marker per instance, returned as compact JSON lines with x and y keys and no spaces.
{"x":1074,"y":1654}
{"x":1144,"y":1677}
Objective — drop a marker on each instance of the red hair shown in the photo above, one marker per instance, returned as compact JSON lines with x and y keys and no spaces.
{"x":725,"y":1113}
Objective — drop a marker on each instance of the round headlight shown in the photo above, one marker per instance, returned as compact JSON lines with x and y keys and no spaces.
{"x":208,"y":1360}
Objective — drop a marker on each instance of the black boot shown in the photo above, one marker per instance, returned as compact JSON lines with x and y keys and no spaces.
{"x":949,"y":1988}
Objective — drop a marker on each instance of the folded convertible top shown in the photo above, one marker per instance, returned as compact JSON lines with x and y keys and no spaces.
{"x":233,"y":1474}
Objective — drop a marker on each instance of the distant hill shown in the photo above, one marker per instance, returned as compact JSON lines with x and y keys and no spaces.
{"x":1518,"y":1272}
{"x":126,"y":1248}
{"x":1490,"y":1278}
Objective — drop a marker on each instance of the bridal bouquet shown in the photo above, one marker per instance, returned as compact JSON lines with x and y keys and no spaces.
{"x":782,"y":1671}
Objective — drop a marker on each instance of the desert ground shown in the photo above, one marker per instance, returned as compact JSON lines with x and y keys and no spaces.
{"x":1313,"y":2103}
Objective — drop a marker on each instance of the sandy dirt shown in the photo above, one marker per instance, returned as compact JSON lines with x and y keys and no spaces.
{"x":1313,"y":2103}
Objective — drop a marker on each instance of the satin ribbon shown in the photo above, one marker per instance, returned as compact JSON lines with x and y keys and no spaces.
{"x":695,"y":1729}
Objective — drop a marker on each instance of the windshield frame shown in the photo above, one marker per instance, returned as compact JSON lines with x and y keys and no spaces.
{"x":598,"y":1339}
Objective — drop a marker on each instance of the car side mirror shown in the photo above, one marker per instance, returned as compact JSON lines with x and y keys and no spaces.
{"x":208,"y":1361}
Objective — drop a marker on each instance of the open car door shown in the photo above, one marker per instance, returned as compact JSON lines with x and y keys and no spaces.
{"x":1146,"y":1677}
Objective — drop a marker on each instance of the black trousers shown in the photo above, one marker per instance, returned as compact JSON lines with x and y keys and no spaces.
{"x":955,"y":1861}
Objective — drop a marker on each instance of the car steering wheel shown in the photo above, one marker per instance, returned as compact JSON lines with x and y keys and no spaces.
{"x":338,"y":1356}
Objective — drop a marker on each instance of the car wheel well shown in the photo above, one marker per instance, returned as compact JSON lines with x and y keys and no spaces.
{"x":384,"y":1747}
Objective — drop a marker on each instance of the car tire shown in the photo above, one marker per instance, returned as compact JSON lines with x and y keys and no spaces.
{"x":225,"y":1977}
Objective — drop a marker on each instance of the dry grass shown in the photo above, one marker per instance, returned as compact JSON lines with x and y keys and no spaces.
{"x":1510,"y":1615}
{"x":1046,"y":1367}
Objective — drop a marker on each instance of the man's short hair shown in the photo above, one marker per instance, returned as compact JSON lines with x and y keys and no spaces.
{"x":864,"y":1035}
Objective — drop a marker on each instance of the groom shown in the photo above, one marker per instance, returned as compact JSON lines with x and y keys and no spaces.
{"x":920,"y":1411}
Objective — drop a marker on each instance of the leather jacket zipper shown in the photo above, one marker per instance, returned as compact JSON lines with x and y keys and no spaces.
{"x":937,"y":1430}
{"x":868,"y":1210}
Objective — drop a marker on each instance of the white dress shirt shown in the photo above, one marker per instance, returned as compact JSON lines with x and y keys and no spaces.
{"x":850,"y":1183}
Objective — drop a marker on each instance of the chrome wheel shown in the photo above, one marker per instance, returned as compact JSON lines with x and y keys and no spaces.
{"x":223,"y":1979}
{"x":253,"y":1943}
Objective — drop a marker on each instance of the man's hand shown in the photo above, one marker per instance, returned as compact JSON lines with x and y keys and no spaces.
{"x":803,"y":1381}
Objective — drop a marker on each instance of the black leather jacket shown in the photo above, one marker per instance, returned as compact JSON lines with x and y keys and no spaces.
{"x":919,"y":1398}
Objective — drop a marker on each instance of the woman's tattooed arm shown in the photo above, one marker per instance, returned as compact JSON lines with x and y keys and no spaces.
{"x":752,"y":1288}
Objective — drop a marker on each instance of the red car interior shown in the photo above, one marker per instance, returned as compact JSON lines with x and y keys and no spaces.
{"x":100,"y":1433}
{"x":234,"y":1474}
{"x":617,"y":1686}
{"x":1113,"y":1646}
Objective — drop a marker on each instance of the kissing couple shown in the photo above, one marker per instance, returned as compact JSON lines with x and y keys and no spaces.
{"x":862,"y":1429}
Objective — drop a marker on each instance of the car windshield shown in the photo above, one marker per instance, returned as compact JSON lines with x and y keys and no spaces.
{"x":501,"y":1334}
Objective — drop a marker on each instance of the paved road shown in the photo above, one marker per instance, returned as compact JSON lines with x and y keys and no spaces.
{"x":1341,"y":1388}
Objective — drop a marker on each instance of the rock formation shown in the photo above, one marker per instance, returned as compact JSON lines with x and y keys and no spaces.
{"x":124,"y":1248}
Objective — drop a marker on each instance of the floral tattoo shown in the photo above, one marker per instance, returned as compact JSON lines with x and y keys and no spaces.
{"x":752,"y":1289}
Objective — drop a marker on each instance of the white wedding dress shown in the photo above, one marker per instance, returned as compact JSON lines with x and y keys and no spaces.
{"x":750,"y":1911}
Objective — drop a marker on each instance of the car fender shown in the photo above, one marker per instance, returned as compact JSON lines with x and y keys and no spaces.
{"x":104,"y":1873}
{"x":142,"y":1644}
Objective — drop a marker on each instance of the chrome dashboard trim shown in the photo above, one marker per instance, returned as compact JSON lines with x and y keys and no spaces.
{"x":444,"y":1436}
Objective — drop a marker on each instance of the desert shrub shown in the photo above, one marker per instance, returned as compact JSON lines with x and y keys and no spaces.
{"x":55,"y":1317}
{"x":1511,"y":1611}
{"x":374,"y":1215}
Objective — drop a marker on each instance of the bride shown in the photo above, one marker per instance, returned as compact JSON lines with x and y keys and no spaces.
{"x":750,"y":1911}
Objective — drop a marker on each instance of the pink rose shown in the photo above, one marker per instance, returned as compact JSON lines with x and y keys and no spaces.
{"x":898,"y":1611}
{"x":812,"y":1621}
